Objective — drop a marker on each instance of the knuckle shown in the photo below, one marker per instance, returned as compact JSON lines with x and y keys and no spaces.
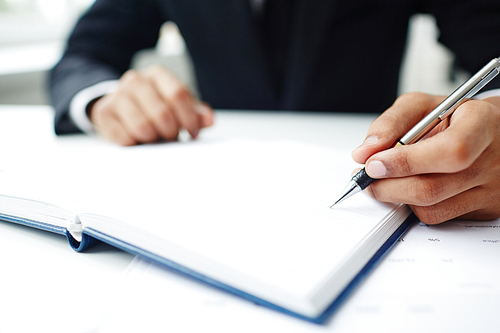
{"x":116,"y":97}
{"x":165,"y":118}
{"x":129,"y":75}
{"x":386,"y":126}
{"x":133,"y":84}
{"x":180,"y":93}
{"x":418,"y":99}
{"x":427,"y":192}
{"x":143,"y":130}
{"x":156,"y":71}
{"x":167,"y":124}
{"x":162,"y":112}
{"x":460,"y":153}
{"x":391,"y":122}
{"x":403,"y":162}
{"x":411,"y":97}
{"x":427,"y":215}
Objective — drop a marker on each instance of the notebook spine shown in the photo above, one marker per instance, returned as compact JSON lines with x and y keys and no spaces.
{"x":77,"y":238}
{"x":85,"y":242}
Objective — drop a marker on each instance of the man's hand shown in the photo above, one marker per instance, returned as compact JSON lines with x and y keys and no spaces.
{"x":454,"y":172}
{"x":148,"y":106}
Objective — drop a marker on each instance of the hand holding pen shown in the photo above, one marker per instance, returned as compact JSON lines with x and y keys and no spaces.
{"x":455,"y":171}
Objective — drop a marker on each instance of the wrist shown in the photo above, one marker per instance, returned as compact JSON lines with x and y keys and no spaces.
{"x":83,"y":102}
{"x":90,"y":106}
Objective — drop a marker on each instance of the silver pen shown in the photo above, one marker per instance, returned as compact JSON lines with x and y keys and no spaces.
{"x":361,"y":180}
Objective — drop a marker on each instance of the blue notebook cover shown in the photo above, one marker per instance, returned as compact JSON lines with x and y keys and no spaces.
{"x":91,"y":236}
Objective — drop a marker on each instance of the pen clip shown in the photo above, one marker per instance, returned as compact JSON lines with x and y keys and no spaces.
{"x":474,"y":90}
{"x":484,"y":81}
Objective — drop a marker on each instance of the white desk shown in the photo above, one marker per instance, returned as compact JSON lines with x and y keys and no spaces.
{"x":437,"y":279}
{"x":44,"y":284}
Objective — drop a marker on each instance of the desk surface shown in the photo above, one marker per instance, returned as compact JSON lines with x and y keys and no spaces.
{"x":45,"y":285}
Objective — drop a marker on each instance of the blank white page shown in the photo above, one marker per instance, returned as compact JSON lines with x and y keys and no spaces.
{"x":260,"y":209}
{"x":246,"y":213}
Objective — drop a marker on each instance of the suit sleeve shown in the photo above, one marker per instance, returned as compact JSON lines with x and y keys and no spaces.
{"x":100,"y":48}
{"x":471,"y":30}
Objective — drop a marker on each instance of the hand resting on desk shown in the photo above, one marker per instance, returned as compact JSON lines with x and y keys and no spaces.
{"x":148,"y":106}
{"x":454,"y":172}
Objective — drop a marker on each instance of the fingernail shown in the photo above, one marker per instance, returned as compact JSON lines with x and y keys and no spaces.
{"x":376,"y":169}
{"x":370,"y":141}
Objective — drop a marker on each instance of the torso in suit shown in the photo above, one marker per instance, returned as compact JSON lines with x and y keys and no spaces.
{"x":335,"y":56}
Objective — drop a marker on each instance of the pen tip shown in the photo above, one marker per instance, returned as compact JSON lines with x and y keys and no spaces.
{"x":336,"y":202}
{"x":351,"y":189}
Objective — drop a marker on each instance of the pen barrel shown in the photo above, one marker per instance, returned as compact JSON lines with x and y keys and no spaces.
{"x":362,"y":179}
{"x":450,"y":104}
{"x":416,"y":133}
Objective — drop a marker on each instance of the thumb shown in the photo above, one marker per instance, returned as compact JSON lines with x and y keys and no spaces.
{"x":391,"y":125}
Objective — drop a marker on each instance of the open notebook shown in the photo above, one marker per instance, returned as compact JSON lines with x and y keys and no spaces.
{"x":249,"y":217}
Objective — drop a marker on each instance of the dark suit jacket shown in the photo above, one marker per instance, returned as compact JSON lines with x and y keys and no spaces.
{"x":344,"y":55}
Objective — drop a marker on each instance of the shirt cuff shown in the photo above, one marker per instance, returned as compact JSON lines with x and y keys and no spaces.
{"x":487,"y":94}
{"x":78,"y":105}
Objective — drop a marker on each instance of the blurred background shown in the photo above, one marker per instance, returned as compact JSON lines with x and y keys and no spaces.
{"x":33,"y":32}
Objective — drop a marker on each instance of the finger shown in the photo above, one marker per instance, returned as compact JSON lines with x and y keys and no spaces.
{"x":424,"y":190}
{"x":206,"y":115}
{"x":133,"y":120}
{"x":389,"y":127}
{"x":115,"y":132}
{"x":178,"y":97}
{"x":441,"y":197}
{"x":158,"y":113}
{"x":110,"y":127}
{"x":470,"y":204}
{"x":450,"y":151}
